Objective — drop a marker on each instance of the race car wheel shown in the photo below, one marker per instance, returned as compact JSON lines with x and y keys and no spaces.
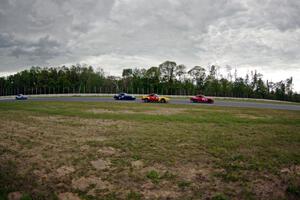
{"x":162,"y":101}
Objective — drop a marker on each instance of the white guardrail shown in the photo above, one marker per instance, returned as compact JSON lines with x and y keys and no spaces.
{"x":111,"y":95}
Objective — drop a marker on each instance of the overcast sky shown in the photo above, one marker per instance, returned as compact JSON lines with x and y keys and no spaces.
{"x":114,"y":34}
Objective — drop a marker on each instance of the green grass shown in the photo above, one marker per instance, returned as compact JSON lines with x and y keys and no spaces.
{"x":293,"y":190}
{"x":133,"y":196}
{"x":187,"y":151}
{"x":153,"y":176}
{"x":220,"y":197}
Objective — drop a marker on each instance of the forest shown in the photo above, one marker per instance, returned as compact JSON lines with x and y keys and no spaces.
{"x":168,"y":79}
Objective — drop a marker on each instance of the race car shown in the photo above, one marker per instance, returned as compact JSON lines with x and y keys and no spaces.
{"x":124,"y":96}
{"x":21,"y":97}
{"x":155,"y":98}
{"x":201,"y":99}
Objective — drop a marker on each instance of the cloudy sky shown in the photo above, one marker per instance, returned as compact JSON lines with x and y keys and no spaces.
{"x":114,"y":34}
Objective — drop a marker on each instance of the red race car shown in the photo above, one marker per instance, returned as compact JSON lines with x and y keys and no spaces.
{"x":201,"y":99}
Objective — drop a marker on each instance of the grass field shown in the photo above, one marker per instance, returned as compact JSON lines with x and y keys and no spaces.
{"x":59,"y":150}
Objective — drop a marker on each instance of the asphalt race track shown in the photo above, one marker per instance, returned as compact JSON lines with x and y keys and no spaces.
{"x":172,"y":101}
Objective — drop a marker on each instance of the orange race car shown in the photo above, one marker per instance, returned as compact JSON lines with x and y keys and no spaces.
{"x":155,"y":98}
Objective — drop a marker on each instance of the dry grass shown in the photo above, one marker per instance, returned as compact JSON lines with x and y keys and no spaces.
{"x":160,"y":111}
{"x":151,"y":152}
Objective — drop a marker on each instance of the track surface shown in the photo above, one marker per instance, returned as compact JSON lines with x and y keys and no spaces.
{"x":172,"y":101}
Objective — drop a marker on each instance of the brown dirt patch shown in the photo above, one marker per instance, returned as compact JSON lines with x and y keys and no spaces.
{"x":197,"y":173}
{"x":84,"y":147}
{"x":161,"y":169}
{"x":68,"y":196}
{"x":268,"y":189}
{"x":165,"y":111}
{"x":64,"y":170}
{"x":14,"y":196}
{"x":100,"y":164}
{"x":158,"y":111}
{"x":79,"y":130}
{"x":160,"y":194}
{"x":96,"y":139}
{"x":248,"y":116}
{"x":84,"y":183}
{"x":77,"y":121}
{"x":252,"y":116}
{"x":40,"y":174}
{"x":138,"y":164}
{"x":294,"y":170}
{"x":107,"y":151}
{"x":194,"y":174}
{"x":99,"y":111}
{"x":49,"y":149}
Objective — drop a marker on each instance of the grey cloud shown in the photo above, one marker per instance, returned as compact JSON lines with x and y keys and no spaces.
{"x":247,"y":33}
{"x":282,"y":14}
{"x":6,"y":40}
{"x":43,"y":48}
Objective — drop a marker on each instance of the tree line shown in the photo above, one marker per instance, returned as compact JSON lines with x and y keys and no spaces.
{"x":168,"y":78}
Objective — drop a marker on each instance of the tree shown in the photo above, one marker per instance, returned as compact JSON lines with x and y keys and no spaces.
{"x":168,"y":71}
{"x":280,"y":90}
{"x":289,"y":85}
{"x":213,"y":72}
{"x":127,"y":77}
{"x":153,"y":73}
{"x":168,"y":78}
{"x":180,"y":72}
{"x":261,"y":90}
{"x":226,"y":87}
{"x":239,"y":87}
{"x":198,"y":76}
{"x":127,"y":73}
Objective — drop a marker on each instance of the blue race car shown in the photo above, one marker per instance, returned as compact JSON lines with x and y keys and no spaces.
{"x":21,"y":97}
{"x":124,"y":96}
